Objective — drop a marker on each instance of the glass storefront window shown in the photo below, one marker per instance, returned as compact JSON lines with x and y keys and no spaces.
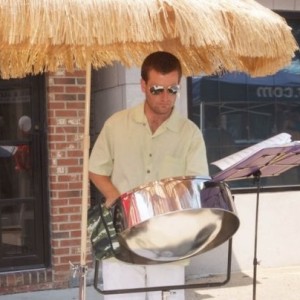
{"x":236,"y":111}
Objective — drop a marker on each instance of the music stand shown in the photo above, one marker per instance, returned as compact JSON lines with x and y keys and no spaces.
{"x":266,"y":162}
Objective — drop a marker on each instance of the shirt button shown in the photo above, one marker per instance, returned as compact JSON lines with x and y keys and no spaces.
{"x":150,"y":155}
{"x":148,"y":171}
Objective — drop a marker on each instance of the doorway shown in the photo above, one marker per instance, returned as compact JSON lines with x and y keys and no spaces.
{"x":23,"y":171}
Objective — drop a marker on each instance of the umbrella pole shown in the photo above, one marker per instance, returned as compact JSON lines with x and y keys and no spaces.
{"x":85,"y":182}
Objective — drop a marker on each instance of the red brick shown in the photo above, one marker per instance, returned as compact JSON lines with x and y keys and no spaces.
{"x":50,"y":115}
{"x":67,"y":194}
{"x":69,"y":209}
{"x":75,"y":218}
{"x":64,"y":81}
{"x":60,"y":218}
{"x":65,"y":146}
{"x":75,"y":201}
{"x":54,"y":243}
{"x":75,"y":89}
{"x":56,"y":105}
{"x":75,"y":153}
{"x":66,"y":129}
{"x":65,"y":97}
{"x":69,"y":226}
{"x":54,"y":227}
{"x":60,"y":235}
{"x":62,"y":267}
{"x":76,"y":169}
{"x":67,"y":162}
{"x":56,"y":89}
{"x":75,"y":105}
{"x":60,"y":202}
{"x":66,"y":113}
{"x":60,"y":251}
{"x":57,"y":138}
{"x":75,"y":234}
{"x":10,"y":279}
{"x":58,"y":186}
{"x":68,"y":243}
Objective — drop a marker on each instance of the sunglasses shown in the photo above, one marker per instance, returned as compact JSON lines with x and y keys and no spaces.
{"x":159,"y":89}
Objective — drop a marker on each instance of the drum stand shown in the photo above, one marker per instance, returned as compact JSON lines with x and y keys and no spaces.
{"x":166,"y":289}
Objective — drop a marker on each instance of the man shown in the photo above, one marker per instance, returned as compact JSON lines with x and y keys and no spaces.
{"x":145,"y":143}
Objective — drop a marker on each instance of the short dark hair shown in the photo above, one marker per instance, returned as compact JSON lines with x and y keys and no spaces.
{"x":162,"y":62}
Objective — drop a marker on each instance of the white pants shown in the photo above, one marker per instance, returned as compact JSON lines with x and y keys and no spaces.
{"x":118,"y":275}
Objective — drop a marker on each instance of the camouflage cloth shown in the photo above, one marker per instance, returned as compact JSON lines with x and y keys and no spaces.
{"x":102,"y":232}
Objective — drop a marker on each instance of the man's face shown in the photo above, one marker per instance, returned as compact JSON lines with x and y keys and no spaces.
{"x":160,"y":91}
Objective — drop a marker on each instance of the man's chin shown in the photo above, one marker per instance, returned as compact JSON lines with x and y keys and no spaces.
{"x":163,"y":110}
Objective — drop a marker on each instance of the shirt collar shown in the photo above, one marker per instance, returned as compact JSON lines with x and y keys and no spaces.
{"x":172,"y":123}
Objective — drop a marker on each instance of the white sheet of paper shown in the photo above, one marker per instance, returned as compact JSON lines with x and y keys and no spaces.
{"x":228,"y":161}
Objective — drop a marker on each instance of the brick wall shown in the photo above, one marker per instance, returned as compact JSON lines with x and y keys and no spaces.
{"x":66,"y":106}
{"x":24,"y":281}
{"x":65,"y":109}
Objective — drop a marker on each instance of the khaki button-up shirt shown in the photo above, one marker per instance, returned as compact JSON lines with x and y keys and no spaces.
{"x":128,"y":152}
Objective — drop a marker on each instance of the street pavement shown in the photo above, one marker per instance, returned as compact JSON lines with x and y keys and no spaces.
{"x":272,"y":284}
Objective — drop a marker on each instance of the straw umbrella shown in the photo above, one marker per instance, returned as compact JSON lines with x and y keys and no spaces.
{"x":207,"y":36}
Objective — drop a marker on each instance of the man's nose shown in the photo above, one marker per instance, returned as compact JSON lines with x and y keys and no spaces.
{"x":166,"y":94}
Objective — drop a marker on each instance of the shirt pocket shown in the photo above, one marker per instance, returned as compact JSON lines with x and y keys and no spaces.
{"x":171,"y":166}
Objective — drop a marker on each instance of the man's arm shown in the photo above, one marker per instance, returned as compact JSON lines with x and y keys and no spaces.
{"x":105,"y":186}
{"x":197,"y":158}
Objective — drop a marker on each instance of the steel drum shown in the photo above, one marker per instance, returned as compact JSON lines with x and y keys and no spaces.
{"x":174,"y":219}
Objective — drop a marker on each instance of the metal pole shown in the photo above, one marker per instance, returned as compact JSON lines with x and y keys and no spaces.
{"x":255,"y":262}
{"x":165,"y":295}
{"x":85,"y":182}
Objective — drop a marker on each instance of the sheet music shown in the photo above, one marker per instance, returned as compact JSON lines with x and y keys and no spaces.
{"x":268,"y":158}
{"x":228,"y":161}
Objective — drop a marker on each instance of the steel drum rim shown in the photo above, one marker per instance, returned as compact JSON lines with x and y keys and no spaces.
{"x":184,"y":210}
{"x":155,"y":182}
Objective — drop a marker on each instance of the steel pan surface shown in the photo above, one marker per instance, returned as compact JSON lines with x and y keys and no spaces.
{"x":173,"y":219}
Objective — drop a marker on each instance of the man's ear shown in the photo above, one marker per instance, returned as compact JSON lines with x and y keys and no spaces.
{"x":143,"y":85}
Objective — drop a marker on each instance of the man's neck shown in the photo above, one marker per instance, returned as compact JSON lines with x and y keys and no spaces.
{"x":154,"y":119}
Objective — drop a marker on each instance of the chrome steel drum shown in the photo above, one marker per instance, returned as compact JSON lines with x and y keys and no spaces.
{"x":173,"y":219}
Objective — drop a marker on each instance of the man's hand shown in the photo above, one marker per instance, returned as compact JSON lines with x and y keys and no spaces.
{"x":106,"y":187}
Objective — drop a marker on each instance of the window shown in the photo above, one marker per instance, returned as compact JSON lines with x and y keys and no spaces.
{"x":236,"y":111}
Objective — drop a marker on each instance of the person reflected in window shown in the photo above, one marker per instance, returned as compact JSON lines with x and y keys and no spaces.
{"x":218,"y":140}
{"x":292,"y":124}
{"x":22,"y":157}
